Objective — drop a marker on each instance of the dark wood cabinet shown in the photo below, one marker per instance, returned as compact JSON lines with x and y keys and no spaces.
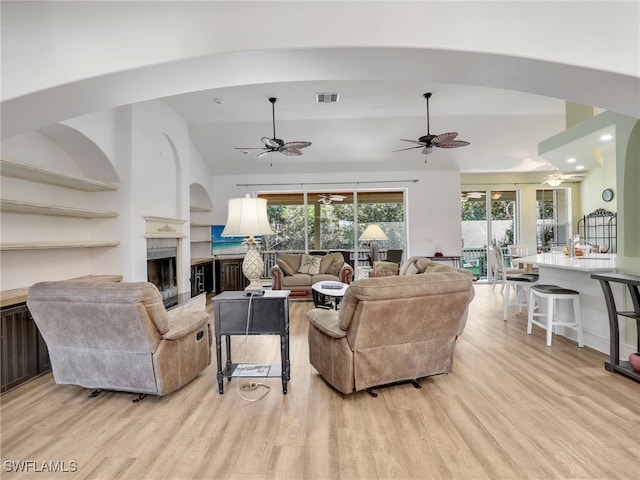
{"x":228,"y":274}
{"x":202,"y":277}
{"x":24,"y":353}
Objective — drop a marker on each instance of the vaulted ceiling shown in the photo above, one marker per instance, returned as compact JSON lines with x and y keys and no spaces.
{"x":500,"y":73}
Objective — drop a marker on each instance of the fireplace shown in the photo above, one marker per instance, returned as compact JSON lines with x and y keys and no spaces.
{"x":161,"y":267}
{"x":163,"y":260}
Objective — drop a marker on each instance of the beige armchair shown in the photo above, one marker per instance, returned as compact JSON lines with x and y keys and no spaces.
{"x":117,"y":336}
{"x":389,"y":329}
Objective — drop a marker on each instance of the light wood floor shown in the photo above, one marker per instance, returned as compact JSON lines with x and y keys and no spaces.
{"x":511,"y":409}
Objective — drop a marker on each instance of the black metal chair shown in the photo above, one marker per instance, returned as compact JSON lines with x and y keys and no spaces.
{"x":395,"y":256}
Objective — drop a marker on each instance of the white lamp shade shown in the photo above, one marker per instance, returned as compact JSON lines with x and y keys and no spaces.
{"x":373,"y":232}
{"x":247,"y":217}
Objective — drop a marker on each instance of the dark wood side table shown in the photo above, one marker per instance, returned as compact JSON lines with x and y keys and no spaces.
{"x":632,"y":282}
{"x":238,"y":314}
{"x":454,"y":260}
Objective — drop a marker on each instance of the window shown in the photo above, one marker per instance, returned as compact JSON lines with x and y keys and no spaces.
{"x":330,"y":225}
{"x":552,"y":218}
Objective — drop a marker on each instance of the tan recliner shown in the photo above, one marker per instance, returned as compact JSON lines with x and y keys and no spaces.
{"x":389,"y":329}
{"x":422,"y":265}
{"x":118,"y":336}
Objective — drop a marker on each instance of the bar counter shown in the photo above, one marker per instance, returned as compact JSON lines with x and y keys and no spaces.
{"x":575,"y":273}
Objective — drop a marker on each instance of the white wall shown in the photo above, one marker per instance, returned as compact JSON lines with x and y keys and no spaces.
{"x":148,"y":147}
{"x":595,"y":182}
{"x":432,"y":202}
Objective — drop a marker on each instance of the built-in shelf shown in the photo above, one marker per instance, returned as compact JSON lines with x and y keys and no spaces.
{"x":201,"y":241}
{"x":55,"y":245}
{"x":197,"y":209}
{"x":198,"y":225}
{"x":55,"y":210}
{"x":40,"y":175}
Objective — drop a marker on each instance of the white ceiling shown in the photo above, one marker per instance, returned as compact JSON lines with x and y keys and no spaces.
{"x":361,"y":131}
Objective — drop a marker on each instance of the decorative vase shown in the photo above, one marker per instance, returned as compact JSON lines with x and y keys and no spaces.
{"x":634,"y":360}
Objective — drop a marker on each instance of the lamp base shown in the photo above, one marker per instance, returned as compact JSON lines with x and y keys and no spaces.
{"x":253,"y":293}
{"x":374,"y":252}
{"x":252,"y":267}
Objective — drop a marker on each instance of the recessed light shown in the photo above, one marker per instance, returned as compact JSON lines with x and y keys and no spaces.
{"x":580,"y":167}
{"x":571,"y":160}
{"x":219,"y":101}
{"x":606,"y":137}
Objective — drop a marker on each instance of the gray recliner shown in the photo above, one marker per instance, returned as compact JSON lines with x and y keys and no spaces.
{"x":118,"y":336}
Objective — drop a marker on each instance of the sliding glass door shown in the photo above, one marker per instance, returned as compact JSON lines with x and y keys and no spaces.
{"x":489,"y":218}
{"x":321,"y":221}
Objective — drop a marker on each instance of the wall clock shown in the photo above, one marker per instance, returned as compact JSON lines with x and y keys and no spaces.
{"x":607,"y":195}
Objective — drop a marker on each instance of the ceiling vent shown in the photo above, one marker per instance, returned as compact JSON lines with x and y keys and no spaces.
{"x":327,"y":97}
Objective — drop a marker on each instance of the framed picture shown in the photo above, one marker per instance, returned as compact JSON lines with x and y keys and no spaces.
{"x":225,"y":245}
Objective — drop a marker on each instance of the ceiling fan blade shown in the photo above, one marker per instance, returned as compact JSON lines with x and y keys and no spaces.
{"x":270,"y":142}
{"x":291,"y":152}
{"x":444,"y":138}
{"x":264,"y":153}
{"x":427,"y":150}
{"x":248,"y":148}
{"x":409,"y":148}
{"x":413,"y":141}
{"x":454,"y":144}
{"x":296,"y":145}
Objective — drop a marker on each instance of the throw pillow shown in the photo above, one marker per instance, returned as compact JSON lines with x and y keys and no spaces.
{"x":327,"y":262}
{"x":310,"y":264}
{"x":385,"y":269}
{"x":336,"y":265}
{"x":285,"y":267}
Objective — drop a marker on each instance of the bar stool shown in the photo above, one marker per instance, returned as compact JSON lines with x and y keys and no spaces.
{"x":551,"y":293}
{"x":521,"y":285}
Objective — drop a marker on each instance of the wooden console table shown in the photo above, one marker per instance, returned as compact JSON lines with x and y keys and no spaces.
{"x":632,"y":282}
{"x":24,"y":353}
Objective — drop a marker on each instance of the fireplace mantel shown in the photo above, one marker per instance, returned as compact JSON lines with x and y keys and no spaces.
{"x":161,"y":227}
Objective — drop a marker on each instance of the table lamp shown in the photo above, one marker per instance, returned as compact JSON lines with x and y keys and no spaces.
{"x":248,"y":217}
{"x":373,"y":233}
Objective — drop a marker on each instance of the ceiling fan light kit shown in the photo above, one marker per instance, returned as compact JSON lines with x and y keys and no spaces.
{"x":276,"y":144}
{"x":428,"y":142}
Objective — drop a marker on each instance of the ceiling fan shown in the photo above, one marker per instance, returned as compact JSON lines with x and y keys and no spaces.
{"x":465,"y":196}
{"x":275,"y":144}
{"x":428,"y":142}
{"x":555,"y":178}
{"x":328,"y":198}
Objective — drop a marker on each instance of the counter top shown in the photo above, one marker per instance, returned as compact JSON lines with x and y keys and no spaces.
{"x":593,"y":262}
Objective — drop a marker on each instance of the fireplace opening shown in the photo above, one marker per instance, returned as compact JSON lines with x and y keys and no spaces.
{"x":161,"y":271}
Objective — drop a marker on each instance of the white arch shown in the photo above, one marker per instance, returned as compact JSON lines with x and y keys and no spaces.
{"x":610,"y":91}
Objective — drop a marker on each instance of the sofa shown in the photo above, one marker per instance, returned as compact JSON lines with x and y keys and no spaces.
{"x":118,"y":336}
{"x":389,"y":329}
{"x":296,"y":272}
